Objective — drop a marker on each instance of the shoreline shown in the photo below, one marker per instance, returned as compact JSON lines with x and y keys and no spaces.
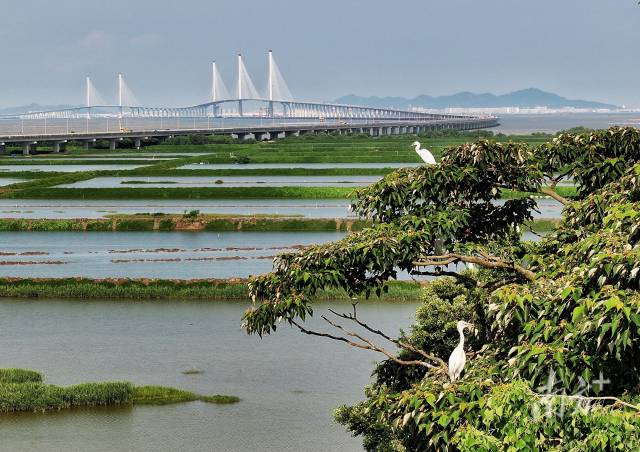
{"x":204,"y":223}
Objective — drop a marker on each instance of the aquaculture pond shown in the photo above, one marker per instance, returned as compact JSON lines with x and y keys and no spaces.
{"x":220,"y":166}
{"x":226,"y":181}
{"x":289,"y":383}
{"x":77,"y":208}
{"x":312,"y":208}
{"x":9,"y":181}
{"x":179,"y":255}
{"x":67,"y":168}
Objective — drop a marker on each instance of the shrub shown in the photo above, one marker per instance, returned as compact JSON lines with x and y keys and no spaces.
{"x":134,"y":225}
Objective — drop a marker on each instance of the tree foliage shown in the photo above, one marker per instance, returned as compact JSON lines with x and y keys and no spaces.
{"x":558,"y":315}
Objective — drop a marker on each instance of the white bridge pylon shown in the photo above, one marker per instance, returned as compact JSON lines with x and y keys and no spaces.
{"x":276,"y":102}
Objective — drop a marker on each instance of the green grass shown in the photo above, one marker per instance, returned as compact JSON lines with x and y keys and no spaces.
{"x":543,"y":224}
{"x":220,"y":399}
{"x":20,"y":376}
{"x":160,"y":395}
{"x":181,"y":193}
{"x":134,"y":225}
{"x":39,"y":397}
{"x":158,"y":289}
{"x":24,"y":390}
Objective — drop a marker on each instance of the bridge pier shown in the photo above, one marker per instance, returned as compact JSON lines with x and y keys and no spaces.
{"x":3,"y":148}
{"x":86,"y":145}
{"x":57,"y":146}
{"x":112,"y":144}
{"x":137,"y":143}
{"x":262,"y":136}
{"x":291,"y":133}
{"x":26,"y":147}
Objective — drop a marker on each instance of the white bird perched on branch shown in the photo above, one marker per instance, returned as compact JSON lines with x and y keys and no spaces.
{"x":424,"y":154}
{"x":458,"y":358}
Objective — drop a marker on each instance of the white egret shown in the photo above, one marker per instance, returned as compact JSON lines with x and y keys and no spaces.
{"x":458,"y":358}
{"x":424,"y":154}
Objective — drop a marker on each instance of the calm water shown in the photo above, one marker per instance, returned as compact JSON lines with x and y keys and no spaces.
{"x":552,"y":123}
{"x":312,"y":208}
{"x":227,"y":181}
{"x":66,"y":168}
{"x":77,"y":208}
{"x":289,"y":382}
{"x":179,"y":255}
{"x":297,"y":165}
{"x":9,"y":181}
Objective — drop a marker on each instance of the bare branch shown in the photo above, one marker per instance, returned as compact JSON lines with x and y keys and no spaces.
{"x":366,"y":345}
{"x":353,"y":317}
{"x":377,"y":348}
{"x":615,"y":400}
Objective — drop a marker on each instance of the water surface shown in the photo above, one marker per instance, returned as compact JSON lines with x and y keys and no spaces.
{"x":66,"y":168}
{"x":224,"y":181}
{"x":289,"y":383}
{"x":223,"y":166}
{"x":173,"y":255}
{"x":77,"y":208}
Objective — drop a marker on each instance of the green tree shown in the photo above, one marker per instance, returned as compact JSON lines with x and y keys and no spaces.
{"x":563,"y":312}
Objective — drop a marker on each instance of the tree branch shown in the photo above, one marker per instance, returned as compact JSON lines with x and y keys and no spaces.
{"x":365,"y":345}
{"x":354,"y":317}
{"x":551,"y":192}
{"x":469,"y":282}
{"x":488,"y":262}
{"x":615,"y":400}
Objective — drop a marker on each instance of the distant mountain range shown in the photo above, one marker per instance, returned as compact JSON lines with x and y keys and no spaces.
{"x":526,"y":98}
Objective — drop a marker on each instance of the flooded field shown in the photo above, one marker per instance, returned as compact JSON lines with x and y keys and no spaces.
{"x":289,"y":383}
{"x":297,"y":165}
{"x":226,"y":181}
{"x":311,"y":208}
{"x":53,"y":208}
{"x":178,"y":255}
{"x":66,"y":168}
{"x":9,"y":181}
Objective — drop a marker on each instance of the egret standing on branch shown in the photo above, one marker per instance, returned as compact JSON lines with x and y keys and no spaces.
{"x":424,"y":154}
{"x":458,"y":359}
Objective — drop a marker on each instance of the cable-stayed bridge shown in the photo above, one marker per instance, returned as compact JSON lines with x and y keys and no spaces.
{"x":246,"y":112}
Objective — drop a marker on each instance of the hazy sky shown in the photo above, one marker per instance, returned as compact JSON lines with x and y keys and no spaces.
{"x":588,"y":49}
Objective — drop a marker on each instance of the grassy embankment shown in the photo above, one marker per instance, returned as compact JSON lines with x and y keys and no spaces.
{"x":204,"y":222}
{"x":156,"y":289}
{"x":25,"y":390}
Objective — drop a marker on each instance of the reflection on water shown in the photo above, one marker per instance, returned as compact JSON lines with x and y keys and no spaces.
{"x":289,"y":383}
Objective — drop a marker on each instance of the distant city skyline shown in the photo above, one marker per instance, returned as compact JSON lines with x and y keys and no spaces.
{"x":580,"y":49}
